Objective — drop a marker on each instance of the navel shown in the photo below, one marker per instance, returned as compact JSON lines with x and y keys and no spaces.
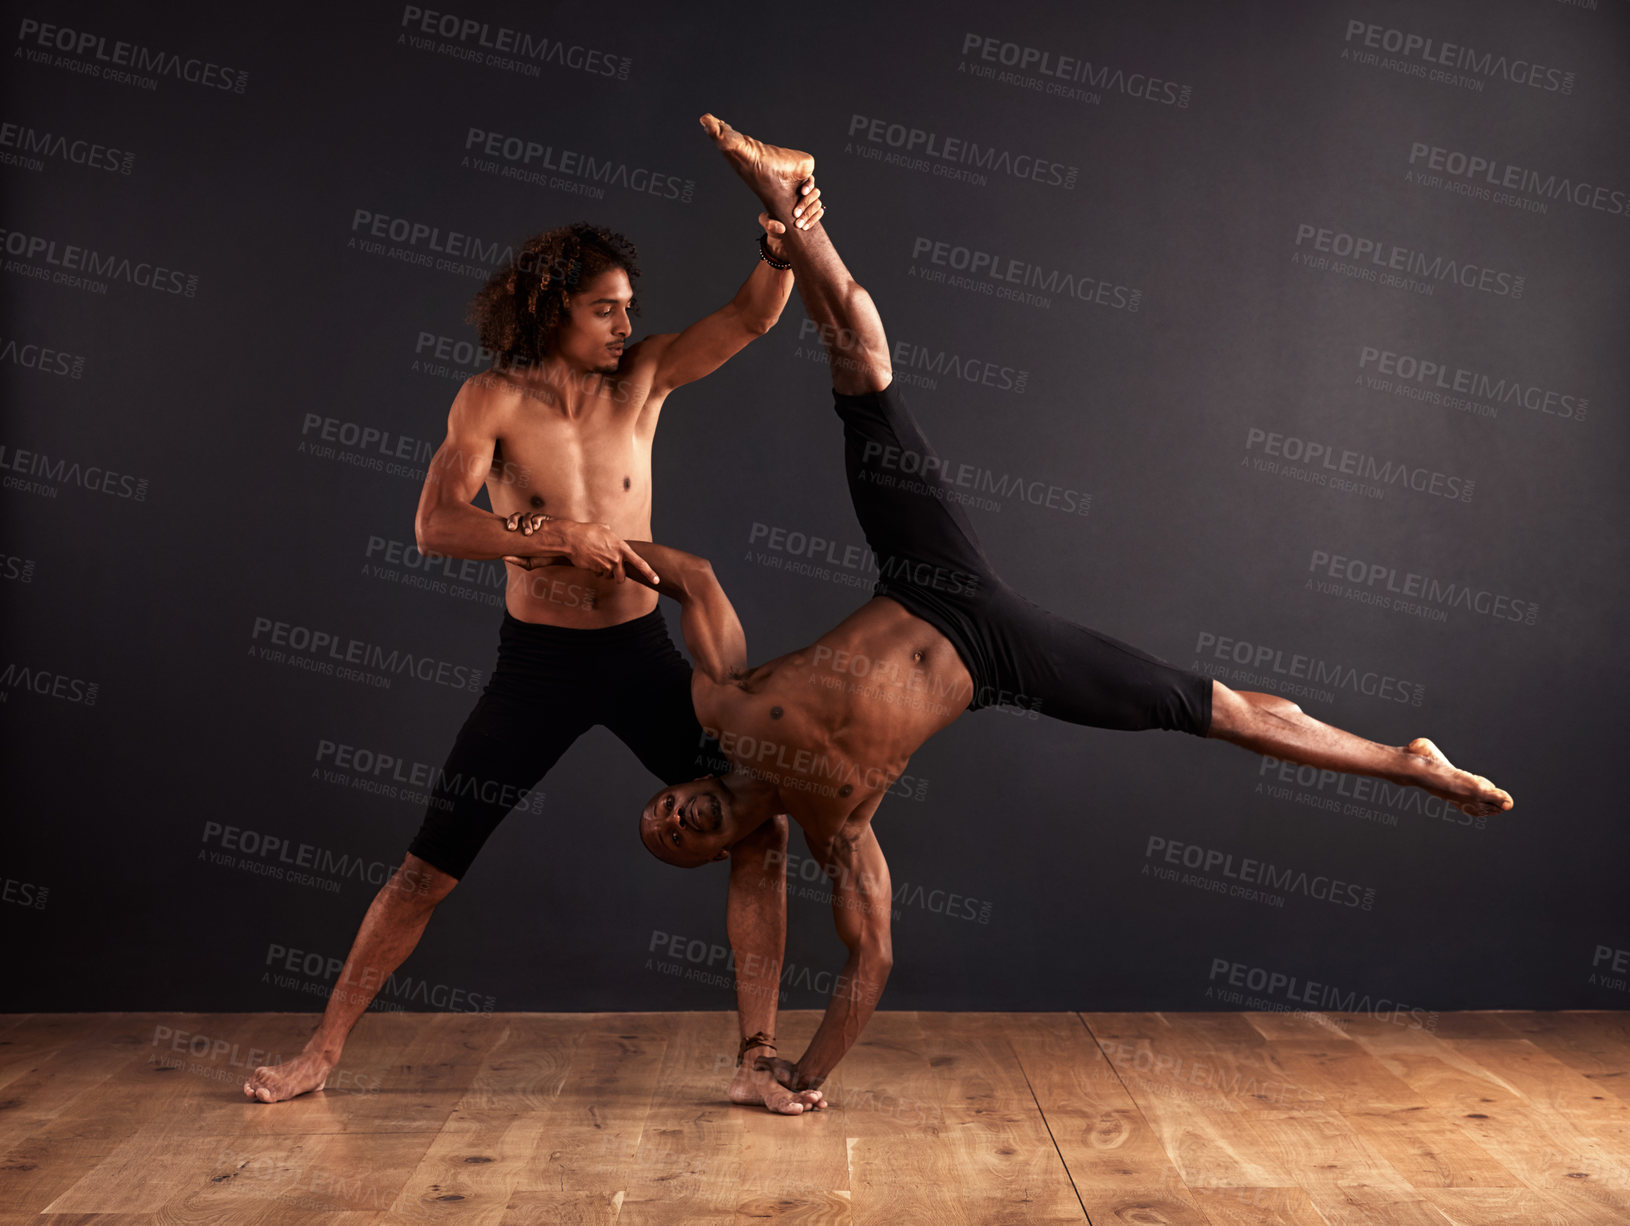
{"x":537,"y":500}
{"x":627,"y":483}
{"x":775,"y":712}
{"x":846,"y":789}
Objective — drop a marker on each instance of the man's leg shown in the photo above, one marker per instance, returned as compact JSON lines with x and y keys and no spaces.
{"x":1277,"y":727}
{"x":501,"y":743}
{"x":834,"y":301}
{"x":390,"y":930}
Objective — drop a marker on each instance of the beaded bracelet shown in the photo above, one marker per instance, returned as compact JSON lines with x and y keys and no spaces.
{"x":764,"y":254}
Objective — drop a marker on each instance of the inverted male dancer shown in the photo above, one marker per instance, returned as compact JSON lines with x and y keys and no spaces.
{"x":559,"y":431}
{"x":822,"y":733}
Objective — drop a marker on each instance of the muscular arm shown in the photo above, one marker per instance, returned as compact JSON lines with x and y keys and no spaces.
{"x":710,"y":342}
{"x":708,"y":620}
{"x":713,"y":340}
{"x":861,"y":898}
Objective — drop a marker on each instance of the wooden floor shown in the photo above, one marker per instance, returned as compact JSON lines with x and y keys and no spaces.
{"x":1487,"y":1119}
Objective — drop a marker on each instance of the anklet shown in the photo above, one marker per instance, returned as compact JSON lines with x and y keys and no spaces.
{"x":764,"y":254}
{"x":757,"y":1039}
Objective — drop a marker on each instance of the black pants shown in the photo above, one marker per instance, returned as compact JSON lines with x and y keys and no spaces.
{"x":550,"y":686}
{"x":1019,"y":654}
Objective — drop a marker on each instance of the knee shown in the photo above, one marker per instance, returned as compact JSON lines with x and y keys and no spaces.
{"x":417,"y":885}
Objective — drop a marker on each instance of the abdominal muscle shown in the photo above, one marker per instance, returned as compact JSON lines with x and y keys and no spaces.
{"x":566,"y":596}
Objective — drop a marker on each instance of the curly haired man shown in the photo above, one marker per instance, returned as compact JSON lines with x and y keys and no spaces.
{"x":559,"y":431}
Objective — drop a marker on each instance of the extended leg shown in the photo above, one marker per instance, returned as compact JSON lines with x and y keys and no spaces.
{"x":502,"y":750}
{"x":391,"y":929}
{"x":835,"y":302}
{"x":1268,"y":724}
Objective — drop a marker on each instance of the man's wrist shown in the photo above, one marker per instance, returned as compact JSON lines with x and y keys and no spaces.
{"x":774,"y":258}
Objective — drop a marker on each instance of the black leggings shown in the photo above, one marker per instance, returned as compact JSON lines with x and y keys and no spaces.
{"x":550,"y":686}
{"x":1019,"y":654}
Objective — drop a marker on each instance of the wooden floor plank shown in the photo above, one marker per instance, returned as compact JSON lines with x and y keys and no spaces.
{"x":1202,"y":1119}
{"x":1120,"y":1170}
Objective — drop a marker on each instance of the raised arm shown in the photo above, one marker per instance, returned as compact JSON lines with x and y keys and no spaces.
{"x":710,"y":342}
{"x":861,"y":898}
{"x":707,"y":619}
{"x":449,"y":524}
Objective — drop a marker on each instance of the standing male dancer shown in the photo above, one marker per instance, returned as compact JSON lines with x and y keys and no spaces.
{"x":822,"y":733}
{"x":560,"y":431}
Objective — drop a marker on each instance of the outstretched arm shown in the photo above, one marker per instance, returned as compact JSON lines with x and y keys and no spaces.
{"x":861,"y":897}
{"x":710,"y":342}
{"x":708,"y":620}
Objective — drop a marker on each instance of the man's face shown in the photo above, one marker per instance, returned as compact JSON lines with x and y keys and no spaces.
{"x":595,"y":323}
{"x":685,"y":824}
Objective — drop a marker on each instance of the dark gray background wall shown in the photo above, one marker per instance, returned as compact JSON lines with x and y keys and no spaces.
{"x":1265,"y":231}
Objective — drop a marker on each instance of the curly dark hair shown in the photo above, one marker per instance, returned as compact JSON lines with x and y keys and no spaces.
{"x":519,"y":310}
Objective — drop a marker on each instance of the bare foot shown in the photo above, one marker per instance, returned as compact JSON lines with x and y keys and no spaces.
{"x":275,"y":1083}
{"x":772,"y":172}
{"x":753,"y":1088}
{"x":1471,"y":794}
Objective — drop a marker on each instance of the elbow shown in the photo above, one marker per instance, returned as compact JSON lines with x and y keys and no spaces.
{"x":425,"y":529}
{"x":760,"y":324}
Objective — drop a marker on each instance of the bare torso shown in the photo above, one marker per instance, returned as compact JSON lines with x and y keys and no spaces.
{"x":834,"y":725}
{"x":589,"y":462}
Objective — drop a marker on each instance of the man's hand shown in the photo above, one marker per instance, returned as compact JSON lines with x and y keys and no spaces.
{"x":768,"y":1080}
{"x":809,"y":211}
{"x":594,"y":548}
